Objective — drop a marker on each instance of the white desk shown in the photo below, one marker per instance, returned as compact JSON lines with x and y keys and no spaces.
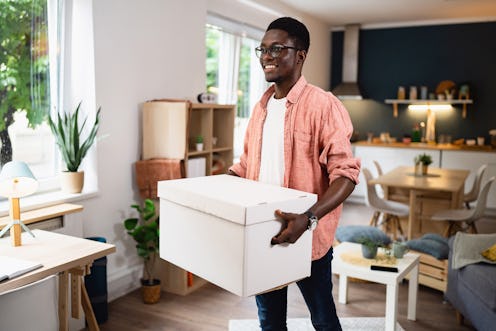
{"x":62,"y":255}
{"x":407,"y":265}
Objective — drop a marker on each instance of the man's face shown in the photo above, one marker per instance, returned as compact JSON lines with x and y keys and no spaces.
{"x":284,"y":66}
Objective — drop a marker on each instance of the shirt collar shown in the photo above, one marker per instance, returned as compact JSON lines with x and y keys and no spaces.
{"x":292,"y":96}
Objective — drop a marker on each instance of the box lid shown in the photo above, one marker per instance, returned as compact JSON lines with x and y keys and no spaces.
{"x":235,"y":199}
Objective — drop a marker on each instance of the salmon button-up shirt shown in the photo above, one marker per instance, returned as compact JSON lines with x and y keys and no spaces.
{"x":317,"y":149}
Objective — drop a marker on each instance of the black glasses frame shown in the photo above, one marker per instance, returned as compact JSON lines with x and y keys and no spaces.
{"x":274,"y":50}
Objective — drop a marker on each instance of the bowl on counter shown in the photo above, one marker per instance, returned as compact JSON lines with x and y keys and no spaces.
{"x":470,"y":142}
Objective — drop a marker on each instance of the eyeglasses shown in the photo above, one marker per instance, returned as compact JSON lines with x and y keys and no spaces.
{"x":274,"y":50}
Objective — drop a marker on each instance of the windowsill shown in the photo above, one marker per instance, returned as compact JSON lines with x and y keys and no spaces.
{"x":47,"y":199}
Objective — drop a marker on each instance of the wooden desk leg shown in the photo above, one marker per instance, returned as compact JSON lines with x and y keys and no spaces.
{"x":63,"y":301}
{"x":76,"y":280}
{"x":411,"y":216}
{"x":88,"y":310}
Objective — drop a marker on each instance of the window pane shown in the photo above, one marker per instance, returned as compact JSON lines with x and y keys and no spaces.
{"x":25,"y":86}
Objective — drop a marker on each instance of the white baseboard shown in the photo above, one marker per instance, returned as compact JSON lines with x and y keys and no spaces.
{"x":124,"y":281}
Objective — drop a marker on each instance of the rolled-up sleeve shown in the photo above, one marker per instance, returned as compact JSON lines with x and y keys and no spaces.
{"x":335,"y":135}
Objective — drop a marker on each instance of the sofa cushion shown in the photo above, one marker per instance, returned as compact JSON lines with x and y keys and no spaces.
{"x":353,"y":233}
{"x":480,"y":279}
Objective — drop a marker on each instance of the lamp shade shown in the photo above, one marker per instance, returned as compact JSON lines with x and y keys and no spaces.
{"x":17,"y":180}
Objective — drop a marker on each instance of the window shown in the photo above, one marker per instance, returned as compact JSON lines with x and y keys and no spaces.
{"x":233,"y":70}
{"x":29,"y":52}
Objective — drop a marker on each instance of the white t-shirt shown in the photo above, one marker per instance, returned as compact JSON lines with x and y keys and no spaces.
{"x":272,"y":158}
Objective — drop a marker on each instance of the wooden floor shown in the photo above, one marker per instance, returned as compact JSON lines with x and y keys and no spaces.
{"x":210,"y":308}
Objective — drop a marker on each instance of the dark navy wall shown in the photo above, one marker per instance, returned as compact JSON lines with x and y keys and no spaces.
{"x":416,"y":56}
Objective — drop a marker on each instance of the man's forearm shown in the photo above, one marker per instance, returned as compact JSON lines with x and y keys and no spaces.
{"x":337,"y":192}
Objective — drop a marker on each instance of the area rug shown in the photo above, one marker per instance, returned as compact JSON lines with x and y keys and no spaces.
{"x":304,"y":324}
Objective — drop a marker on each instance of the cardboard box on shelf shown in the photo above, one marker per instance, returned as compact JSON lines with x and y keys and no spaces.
{"x":220,"y":227}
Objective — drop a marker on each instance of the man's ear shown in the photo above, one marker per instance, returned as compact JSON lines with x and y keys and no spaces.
{"x":302,"y":55}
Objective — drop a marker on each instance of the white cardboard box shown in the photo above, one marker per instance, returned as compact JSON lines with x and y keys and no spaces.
{"x":220,"y":227}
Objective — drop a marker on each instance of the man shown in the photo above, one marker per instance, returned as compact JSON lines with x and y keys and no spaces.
{"x":298,"y":137}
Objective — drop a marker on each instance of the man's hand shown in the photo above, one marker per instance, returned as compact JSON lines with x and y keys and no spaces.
{"x":294,"y":226}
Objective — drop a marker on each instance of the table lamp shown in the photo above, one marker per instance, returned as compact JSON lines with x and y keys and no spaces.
{"x":16,"y":181}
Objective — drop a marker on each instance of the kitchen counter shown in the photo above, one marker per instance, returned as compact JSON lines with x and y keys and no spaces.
{"x":443,"y":147}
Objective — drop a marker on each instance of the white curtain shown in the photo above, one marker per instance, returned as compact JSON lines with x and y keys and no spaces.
{"x":229,"y":52}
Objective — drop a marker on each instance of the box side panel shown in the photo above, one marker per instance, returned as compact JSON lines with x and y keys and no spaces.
{"x":268,"y":266}
{"x":203,"y":244}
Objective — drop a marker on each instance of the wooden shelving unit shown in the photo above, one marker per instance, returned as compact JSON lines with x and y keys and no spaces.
{"x":170,"y":131}
{"x":396,"y":102}
{"x":215,"y":123}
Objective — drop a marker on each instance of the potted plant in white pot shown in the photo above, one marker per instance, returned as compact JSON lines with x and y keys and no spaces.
{"x":145,"y":232}
{"x":73,"y":147}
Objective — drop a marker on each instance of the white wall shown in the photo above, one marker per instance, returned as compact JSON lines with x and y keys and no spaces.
{"x":145,"y":50}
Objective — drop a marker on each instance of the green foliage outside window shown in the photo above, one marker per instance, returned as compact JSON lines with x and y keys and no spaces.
{"x":213,"y":39}
{"x":23,"y":66}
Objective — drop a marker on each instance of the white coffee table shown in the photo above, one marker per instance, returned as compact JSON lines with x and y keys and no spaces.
{"x":409,"y":264}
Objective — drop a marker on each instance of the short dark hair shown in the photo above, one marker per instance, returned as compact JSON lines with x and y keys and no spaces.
{"x":295,"y":29}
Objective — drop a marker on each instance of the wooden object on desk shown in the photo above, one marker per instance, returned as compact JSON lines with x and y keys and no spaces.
{"x":63,"y":255}
{"x":442,"y":184}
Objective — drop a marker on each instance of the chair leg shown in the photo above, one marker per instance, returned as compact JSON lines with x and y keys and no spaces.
{"x":472,"y":228}
{"x":449,"y":229}
{"x":374,"y":219}
{"x":398,"y":225}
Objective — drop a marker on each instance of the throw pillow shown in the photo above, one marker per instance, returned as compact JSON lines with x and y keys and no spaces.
{"x":490,"y":253}
{"x":353,"y":233}
{"x":439,"y":250}
{"x":436,"y":237}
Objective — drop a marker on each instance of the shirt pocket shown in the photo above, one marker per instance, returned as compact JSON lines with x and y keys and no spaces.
{"x":303,"y":150}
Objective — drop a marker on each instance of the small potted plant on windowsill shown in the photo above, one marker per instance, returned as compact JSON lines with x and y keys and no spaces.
{"x":369,"y":247}
{"x":422,"y":163}
{"x":68,"y":135}
{"x":145,"y":231}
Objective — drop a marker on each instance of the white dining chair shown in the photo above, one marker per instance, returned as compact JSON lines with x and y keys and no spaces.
{"x":391,"y":211}
{"x":464,"y":219}
{"x":472,"y":195}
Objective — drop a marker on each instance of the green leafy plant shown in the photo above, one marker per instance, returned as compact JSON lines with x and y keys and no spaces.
{"x":371,"y":243}
{"x":425,"y":159}
{"x":145,"y":231}
{"x":199,"y":139}
{"x":67,"y":133}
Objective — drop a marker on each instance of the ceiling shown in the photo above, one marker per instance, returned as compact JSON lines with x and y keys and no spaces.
{"x":338,"y":13}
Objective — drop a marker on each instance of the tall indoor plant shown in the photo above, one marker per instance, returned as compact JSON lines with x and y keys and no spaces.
{"x":73,"y":147}
{"x":145,"y":231}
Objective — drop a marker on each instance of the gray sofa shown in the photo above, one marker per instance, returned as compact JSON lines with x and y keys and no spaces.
{"x":472,"y":290}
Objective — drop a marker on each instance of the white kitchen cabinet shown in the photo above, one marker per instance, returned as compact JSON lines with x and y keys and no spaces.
{"x":472,"y":161}
{"x":389,"y":158}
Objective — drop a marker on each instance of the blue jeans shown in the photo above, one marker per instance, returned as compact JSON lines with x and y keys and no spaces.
{"x":317,"y":292}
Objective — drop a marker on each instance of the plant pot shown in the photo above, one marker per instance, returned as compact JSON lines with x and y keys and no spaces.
{"x":369,"y":252}
{"x":151,"y":292}
{"x":72,"y":182}
{"x":424,"y":169}
{"x":199,"y":147}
